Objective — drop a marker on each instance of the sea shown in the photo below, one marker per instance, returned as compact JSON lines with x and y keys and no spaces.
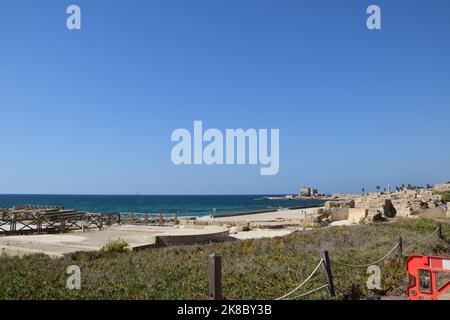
{"x":188,"y":205}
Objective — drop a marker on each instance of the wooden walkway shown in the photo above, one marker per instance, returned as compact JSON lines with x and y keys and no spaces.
{"x":47,"y":221}
{"x":23,"y":221}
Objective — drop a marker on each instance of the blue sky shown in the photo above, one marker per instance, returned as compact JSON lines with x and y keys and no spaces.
{"x":92,"y":111}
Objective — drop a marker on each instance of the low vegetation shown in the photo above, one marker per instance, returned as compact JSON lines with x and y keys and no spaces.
{"x":115,"y":246}
{"x":445,"y":196}
{"x":253,"y":269}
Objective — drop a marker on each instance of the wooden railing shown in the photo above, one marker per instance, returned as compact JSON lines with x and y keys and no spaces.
{"x":148,"y":219}
{"x":62,"y":221}
{"x":21,"y":223}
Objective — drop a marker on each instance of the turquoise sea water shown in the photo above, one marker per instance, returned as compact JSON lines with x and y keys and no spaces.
{"x":181,"y":205}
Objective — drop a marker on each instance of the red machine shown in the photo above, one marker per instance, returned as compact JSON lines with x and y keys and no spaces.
{"x":431,"y":266}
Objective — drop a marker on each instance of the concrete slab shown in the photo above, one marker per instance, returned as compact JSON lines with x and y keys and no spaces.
{"x":342,"y":223}
{"x":137,"y":237}
{"x":261,"y":234}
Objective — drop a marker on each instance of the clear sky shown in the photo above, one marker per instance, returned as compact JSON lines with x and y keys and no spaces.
{"x":92,"y":111}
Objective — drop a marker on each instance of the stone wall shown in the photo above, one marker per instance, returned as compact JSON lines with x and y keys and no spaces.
{"x":340,"y":204}
{"x":404,"y":203}
{"x":379,"y":206}
{"x":338,"y":214}
{"x":181,"y":239}
{"x":338,"y":210}
{"x":358,"y":215}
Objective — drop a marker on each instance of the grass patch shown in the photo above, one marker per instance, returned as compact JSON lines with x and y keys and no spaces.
{"x":115,"y":246}
{"x":445,"y":196}
{"x":252,"y":269}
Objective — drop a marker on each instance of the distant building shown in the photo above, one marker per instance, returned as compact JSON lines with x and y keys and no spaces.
{"x":308,"y":192}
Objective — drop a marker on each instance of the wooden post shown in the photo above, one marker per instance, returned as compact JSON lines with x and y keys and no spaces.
{"x":63,"y":225}
{"x":13,"y":225}
{"x":215,"y":277}
{"x":161,"y":219}
{"x":327,"y":273}
{"x":39,"y":223}
{"x":400,"y":247}
{"x":84,"y":221}
{"x":100,"y":218}
{"x":146,"y":218}
{"x":439,"y":230}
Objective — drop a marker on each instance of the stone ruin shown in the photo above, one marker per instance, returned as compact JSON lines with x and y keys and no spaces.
{"x":444,"y":187}
{"x":409,"y":202}
{"x":345,"y":210}
{"x":379,"y":206}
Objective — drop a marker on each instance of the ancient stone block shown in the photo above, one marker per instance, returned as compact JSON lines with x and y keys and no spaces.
{"x":389,"y":209}
{"x":317,"y":218}
{"x":375,"y":217}
{"x":325,"y":213}
{"x":405,"y":212}
{"x":357,"y":214}
{"x":340,"y":204}
{"x":331,"y":204}
{"x":349,"y":204}
{"x":338,"y":214}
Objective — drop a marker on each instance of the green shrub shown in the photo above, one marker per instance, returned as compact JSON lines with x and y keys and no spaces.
{"x":445,"y":196}
{"x":115,"y":246}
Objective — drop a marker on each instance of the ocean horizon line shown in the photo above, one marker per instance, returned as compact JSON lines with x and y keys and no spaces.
{"x":170,"y":204}
{"x":144,"y":195}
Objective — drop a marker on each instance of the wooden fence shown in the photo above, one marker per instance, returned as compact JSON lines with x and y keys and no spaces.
{"x":62,"y":221}
{"x":22,"y":223}
{"x":148,"y":219}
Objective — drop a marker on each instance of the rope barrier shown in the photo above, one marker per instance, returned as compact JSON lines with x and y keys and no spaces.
{"x":424,"y":239}
{"x":304,"y":282}
{"x":310,"y":292}
{"x":326,"y":262}
{"x":387,"y":255}
{"x":368,"y":264}
{"x":347,"y":265}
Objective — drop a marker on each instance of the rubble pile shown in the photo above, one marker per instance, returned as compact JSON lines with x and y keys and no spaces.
{"x":377,"y":206}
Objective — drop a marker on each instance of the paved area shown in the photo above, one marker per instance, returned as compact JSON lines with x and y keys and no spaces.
{"x":260,"y":234}
{"x":264,"y":217}
{"x":137,"y":237}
